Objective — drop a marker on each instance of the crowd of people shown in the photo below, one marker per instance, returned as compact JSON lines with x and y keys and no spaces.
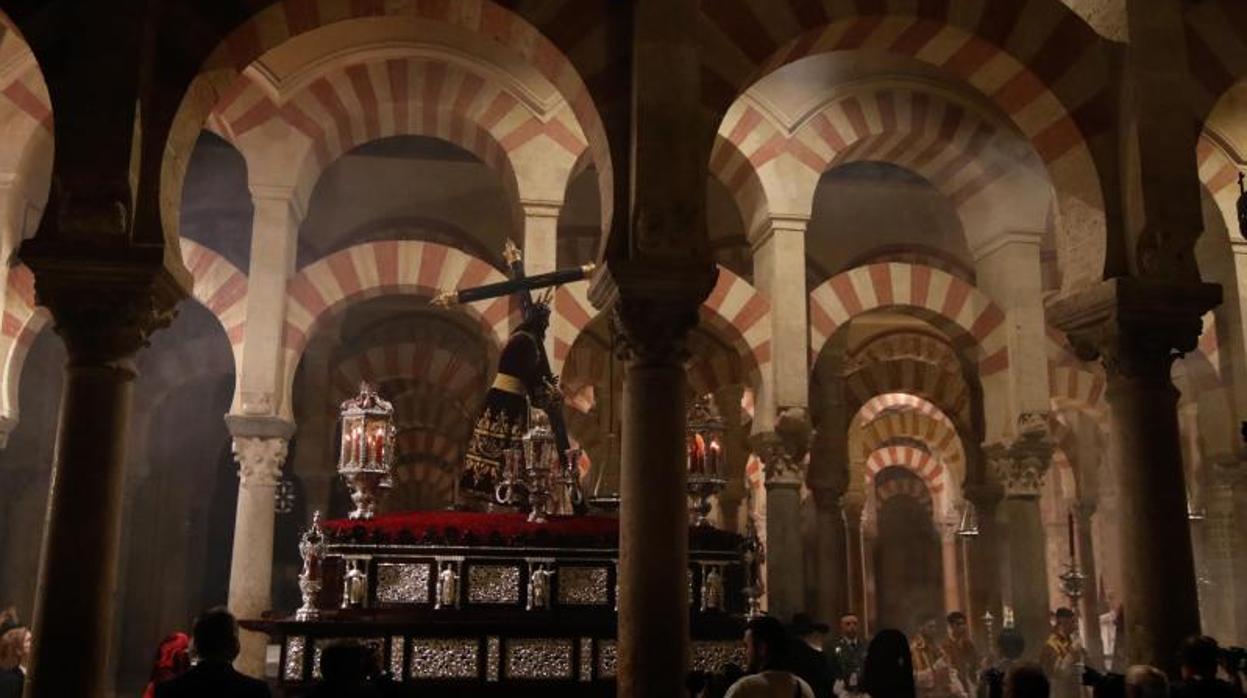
{"x":799,"y":660}
{"x":802,"y":661}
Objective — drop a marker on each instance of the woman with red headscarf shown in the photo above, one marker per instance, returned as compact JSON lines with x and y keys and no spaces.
{"x":172,"y":660}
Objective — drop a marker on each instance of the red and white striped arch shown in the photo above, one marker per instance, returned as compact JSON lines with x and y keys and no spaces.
{"x":909,"y":344}
{"x":22,"y":322}
{"x":421,"y":362}
{"x":1071,"y":386}
{"x":975,"y":322}
{"x":926,"y":466}
{"x":734,"y":308}
{"x":25,"y":139}
{"x":939,"y":435}
{"x":477,"y":26}
{"x":391,"y":267}
{"x":899,"y":402}
{"x":946,"y":389}
{"x":217,"y":285}
{"x":363,"y":101}
{"x":1040,"y":63}
{"x":220,"y":287}
{"x":906,"y":487}
{"x":948,"y":143}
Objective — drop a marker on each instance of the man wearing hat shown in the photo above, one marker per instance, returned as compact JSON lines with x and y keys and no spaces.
{"x":809,"y":661}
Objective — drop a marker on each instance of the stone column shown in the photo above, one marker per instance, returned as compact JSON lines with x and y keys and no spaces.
{"x":784,"y":556}
{"x":1136,"y":327}
{"x":1225,"y":568}
{"x":260,"y":446}
{"x":831,"y":588}
{"x":855,"y":563}
{"x":1020,"y":468}
{"x":274,"y":237}
{"x":950,"y":567}
{"x":1089,"y":603}
{"x":653,"y":534}
{"x":982,"y":560}
{"x":779,"y":272}
{"x":870,"y":584}
{"x":104,"y":318}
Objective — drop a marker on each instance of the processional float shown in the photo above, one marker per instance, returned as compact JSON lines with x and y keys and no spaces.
{"x":523,"y":592}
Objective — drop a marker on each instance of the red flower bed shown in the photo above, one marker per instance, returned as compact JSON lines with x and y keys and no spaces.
{"x":498,"y":529}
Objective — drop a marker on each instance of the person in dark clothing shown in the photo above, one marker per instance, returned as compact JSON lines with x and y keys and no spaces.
{"x":889,"y":667}
{"x":347,"y":670}
{"x":1010,"y":645}
{"x":521,"y":379}
{"x":1199,"y":655}
{"x":807,"y":658}
{"x":1026,"y":681}
{"x":216,"y":645}
{"x":14,"y":654}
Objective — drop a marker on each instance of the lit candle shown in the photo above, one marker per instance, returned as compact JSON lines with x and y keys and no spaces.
{"x":716,"y":455}
{"x":700,"y":453}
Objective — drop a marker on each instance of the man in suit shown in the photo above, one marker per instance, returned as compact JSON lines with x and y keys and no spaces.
{"x":808,"y":659}
{"x":216,"y":645}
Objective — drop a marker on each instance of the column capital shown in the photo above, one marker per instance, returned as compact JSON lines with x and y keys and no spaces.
{"x":104,"y":309}
{"x":1030,"y":240}
{"x":541,"y":208}
{"x":780,"y":468}
{"x":259,"y":426}
{"x":260,"y":459}
{"x":766,"y":228}
{"x":853,"y":505}
{"x":1083,"y":509}
{"x":288,"y":194}
{"x":1020,"y":466}
{"x":1136,"y":327}
{"x":653,"y":304}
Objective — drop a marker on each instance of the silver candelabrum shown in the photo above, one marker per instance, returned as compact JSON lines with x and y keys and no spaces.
{"x":701,"y":488}
{"x":312,"y":548}
{"x":366,"y":459}
{"x":534,"y":474}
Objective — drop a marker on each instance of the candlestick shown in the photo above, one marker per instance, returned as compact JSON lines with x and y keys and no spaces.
{"x":1070,"y":521}
{"x":716,"y":453}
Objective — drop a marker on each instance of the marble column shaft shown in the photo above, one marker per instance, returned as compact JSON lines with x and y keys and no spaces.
{"x":785,"y":576}
{"x":1136,"y":326}
{"x":1020,"y":467}
{"x":260,"y":447}
{"x":1089,"y":602}
{"x":831,"y":592}
{"x":104,"y":322}
{"x":653,"y":650}
{"x":855,"y":562}
{"x":982,"y":561}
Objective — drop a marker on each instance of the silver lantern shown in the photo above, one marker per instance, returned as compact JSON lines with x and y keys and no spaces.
{"x":366,"y":459}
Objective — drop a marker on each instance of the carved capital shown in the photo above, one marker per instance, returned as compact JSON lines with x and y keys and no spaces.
{"x":104,"y":306}
{"x":259,"y":460}
{"x":1083,"y":509}
{"x":779,"y":466}
{"x":652,"y":331}
{"x":1020,"y":466}
{"x":653,"y":304}
{"x":1136,"y":327}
